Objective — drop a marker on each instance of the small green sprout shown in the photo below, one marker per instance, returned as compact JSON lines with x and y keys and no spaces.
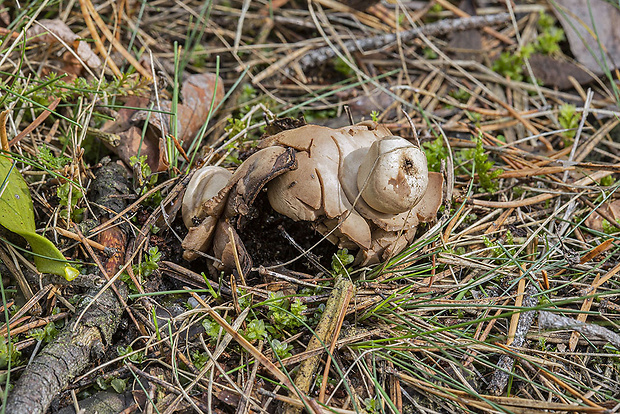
{"x":607,"y":181}
{"x":510,"y":65}
{"x":568,"y":119}
{"x":548,"y":41}
{"x":69,"y":195}
{"x":45,"y":334}
{"x":343,"y":68}
{"x":145,"y":269}
{"x":461,"y":95}
{"x":212,"y":328}
{"x":235,"y":126}
{"x":372,"y":405}
{"x":285,"y":314}
{"x":135,"y":357}
{"x":150,"y":263}
{"x":486,"y":177}
{"x":429,"y":53}
{"x":255,"y":330}
{"x":146,"y":179}
{"x":8,"y":351}
{"x":199,"y":359}
{"x":435,"y":152}
{"x":374,"y":115}
{"x":51,"y":161}
{"x":609,"y":228}
{"x":281,"y":349}
{"x":341,"y":260}
{"x":118,"y":385}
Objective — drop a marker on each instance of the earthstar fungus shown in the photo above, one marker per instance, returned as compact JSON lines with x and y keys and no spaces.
{"x":359,"y":186}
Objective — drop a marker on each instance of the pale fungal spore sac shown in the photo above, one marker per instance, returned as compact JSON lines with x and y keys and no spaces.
{"x":359,"y":186}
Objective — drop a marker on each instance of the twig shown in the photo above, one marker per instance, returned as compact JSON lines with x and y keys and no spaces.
{"x":551,"y":321}
{"x":74,"y":236}
{"x":38,"y":121}
{"x":505,"y":363}
{"x":344,"y":303}
{"x":4,"y":141}
{"x":323,"y":54}
{"x":587,"y":303}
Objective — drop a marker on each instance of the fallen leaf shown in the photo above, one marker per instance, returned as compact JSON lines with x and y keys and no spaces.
{"x":197,"y":92}
{"x":554,"y":72}
{"x":467,"y":44}
{"x":592,"y":31}
{"x":595,"y":220}
{"x":54,"y":31}
{"x":131,"y":141}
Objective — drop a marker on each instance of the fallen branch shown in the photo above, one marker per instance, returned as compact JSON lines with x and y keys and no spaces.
{"x":318,"y":56}
{"x":324,"y":330}
{"x":85,"y":337}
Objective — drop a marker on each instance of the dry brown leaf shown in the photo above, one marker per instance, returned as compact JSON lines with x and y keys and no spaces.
{"x":54,"y":31}
{"x":584,"y":21}
{"x":595,"y":220}
{"x":130,"y":134}
{"x":554,"y":72}
{"x":197,"y":93}
{"x":467,"y":44}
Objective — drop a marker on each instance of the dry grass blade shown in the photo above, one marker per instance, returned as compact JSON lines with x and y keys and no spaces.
{"x":117,"y":45}
{"x":95,"y":35}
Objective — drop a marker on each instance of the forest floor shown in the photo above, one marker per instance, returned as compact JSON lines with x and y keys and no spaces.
{"x":507,"y":301}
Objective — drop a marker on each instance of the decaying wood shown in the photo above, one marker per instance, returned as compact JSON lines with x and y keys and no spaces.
{"x":323,"y":332}
{"x":86,"y":335}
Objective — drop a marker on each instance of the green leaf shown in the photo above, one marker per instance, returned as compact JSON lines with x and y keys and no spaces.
{"x":17,"y":215}
{"x":119,"y":385}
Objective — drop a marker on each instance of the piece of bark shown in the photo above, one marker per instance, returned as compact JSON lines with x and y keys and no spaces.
{"x":111,"y":182}
{"x":54,"y":31}
{"x":130,"y":141}
{"x":67,"y":356}
{"x":89,"y":332}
